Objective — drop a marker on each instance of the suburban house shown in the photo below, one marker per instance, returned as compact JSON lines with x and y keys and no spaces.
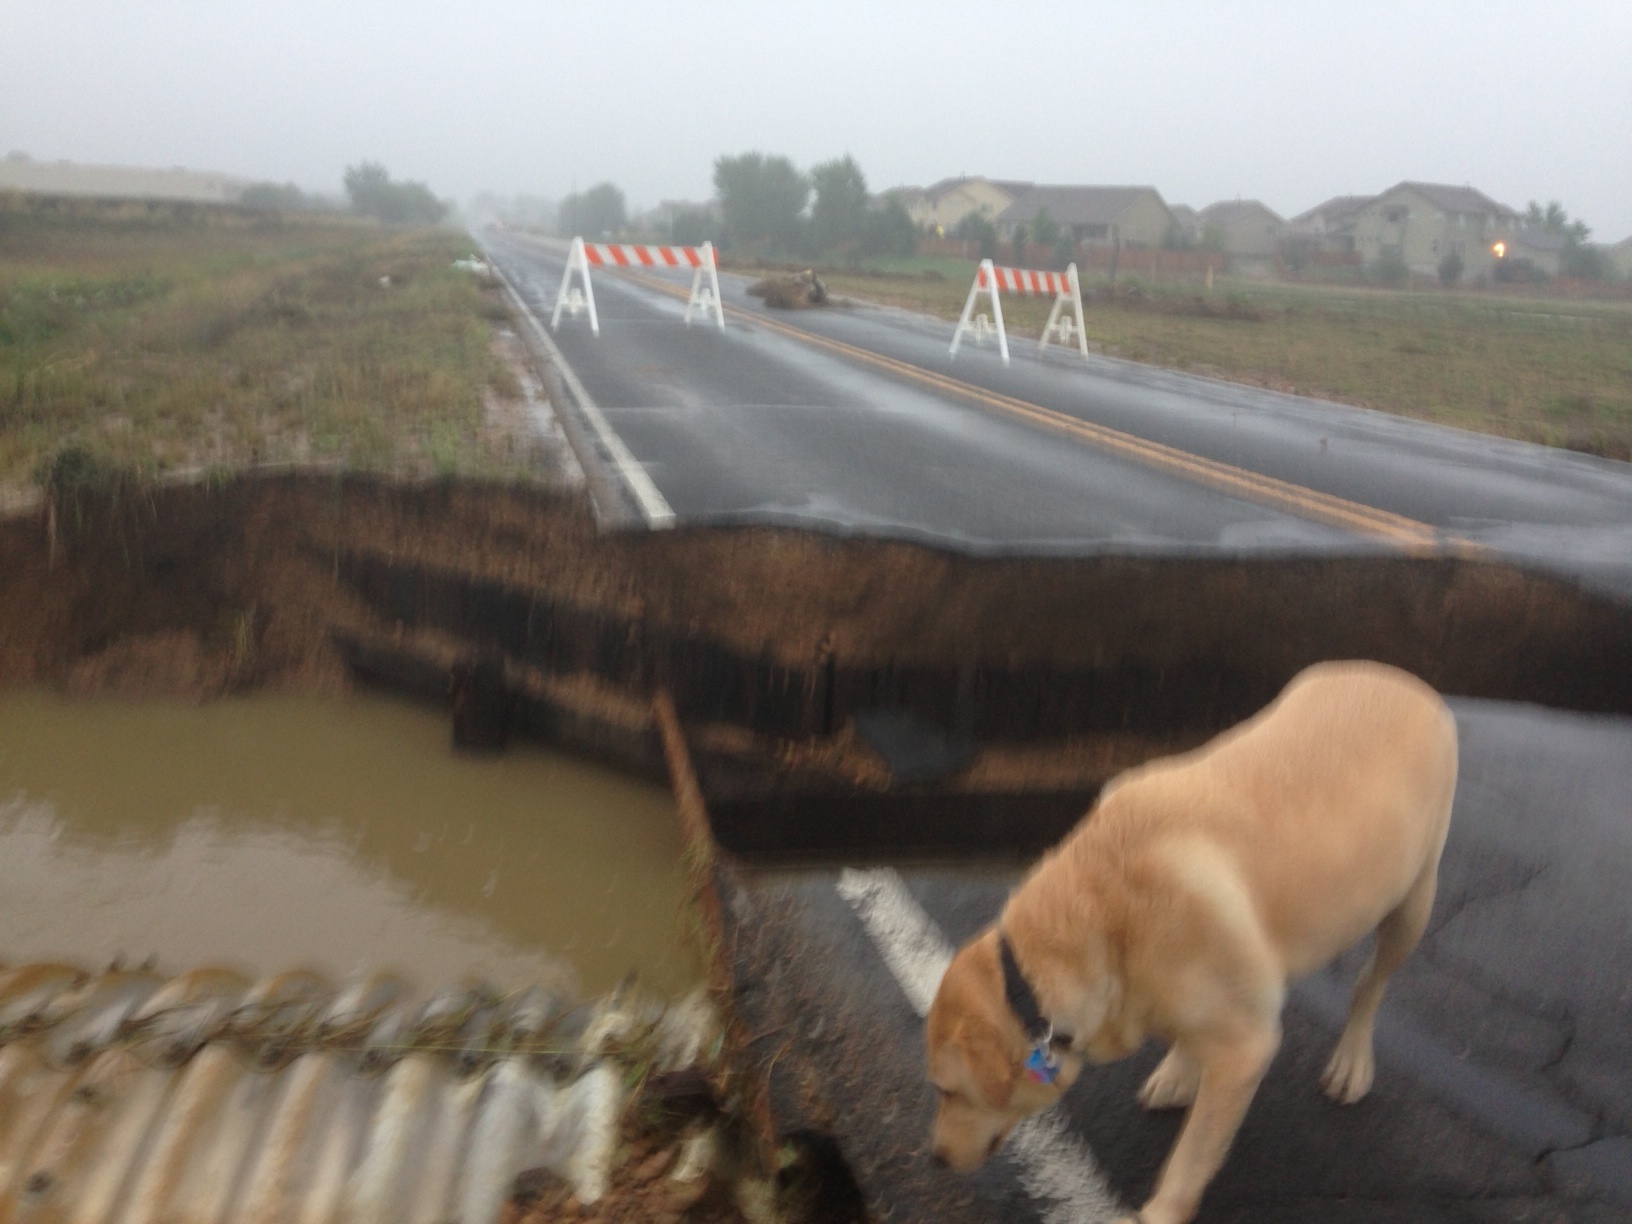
{"x":1097,"y":216}
{"x":1539,"y":248}
{"x":1330,"y":226}
{"x":1422,"y":223}
{"x":1186,"y":221}
{"x":1249,"y":233}
{"x":940,"y":206}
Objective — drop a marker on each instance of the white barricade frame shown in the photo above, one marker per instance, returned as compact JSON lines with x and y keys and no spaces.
{"x":705,"y":284}
{"x":1065,"y":287}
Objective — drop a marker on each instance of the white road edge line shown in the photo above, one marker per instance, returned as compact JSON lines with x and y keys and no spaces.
{"x":1054,"y":1166}
{"x":653,"y":507}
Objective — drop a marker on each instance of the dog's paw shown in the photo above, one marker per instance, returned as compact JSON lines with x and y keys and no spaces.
{"x":1173,"y":1084}
{"x":1348,"y":1076}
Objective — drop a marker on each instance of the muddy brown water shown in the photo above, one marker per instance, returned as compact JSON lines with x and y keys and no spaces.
{"x":273,"y":831}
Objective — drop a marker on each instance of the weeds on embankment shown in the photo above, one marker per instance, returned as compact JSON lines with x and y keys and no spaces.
{"x":148,"y":339}
{"x":1542,"y":370}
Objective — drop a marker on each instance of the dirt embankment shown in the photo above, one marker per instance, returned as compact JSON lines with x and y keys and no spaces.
{"x":205,"y":588}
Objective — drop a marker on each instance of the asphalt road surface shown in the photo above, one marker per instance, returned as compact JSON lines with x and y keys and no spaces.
{"x":855,"y":419}
{"x":1505,"y":1082}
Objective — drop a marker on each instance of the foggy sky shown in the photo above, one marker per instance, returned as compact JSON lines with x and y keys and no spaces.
{"x":1286,"y":102}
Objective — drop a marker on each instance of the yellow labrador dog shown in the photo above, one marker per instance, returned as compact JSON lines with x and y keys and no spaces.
{"x":1197,"y":887}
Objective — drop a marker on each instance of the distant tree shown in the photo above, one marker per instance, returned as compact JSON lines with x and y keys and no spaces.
{"x":762,"y":201}
{"x":1045,"y":231}
{"x":838,"y":216}
{"x":1065,"y":249}
{"x":1554,"y":220}
{"x":977,"y":228}
{"x":1585,"y":261}
{"x":692,"y":226}
{"x":889,"y":230}
{"x":373,"y":194}
{"x":1451,"y":269}
{"x":597,"y":213}
{"x":280,"y":197}
{"x":1018,"y":238}
{"x":1579,"y":257}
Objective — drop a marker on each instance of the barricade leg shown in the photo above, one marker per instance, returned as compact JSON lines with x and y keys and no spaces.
{"x":1053,"y":324}
{"x":1059,"y":328}
{"x":1076,"y":304}
{"x":985,"y":276}
{"x":706,"y":297}
{"x":997,"y":316}
{"x":576,"y":260}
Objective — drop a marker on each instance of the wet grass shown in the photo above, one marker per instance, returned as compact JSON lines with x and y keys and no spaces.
{"x":1542,"y":370}
{"x":147,"y":339}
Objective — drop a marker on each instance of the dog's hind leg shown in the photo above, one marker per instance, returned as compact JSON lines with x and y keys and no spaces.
{"x":1349,"y":1073}
{"x":1174,"y":1082}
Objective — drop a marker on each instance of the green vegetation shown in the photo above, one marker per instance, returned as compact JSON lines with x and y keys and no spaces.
{"x":140,"y":339}
{"x":762,"y":202}
{"x":1542,"y":370}
{"x":373,"y":193}
{"x":762,"y":211}
{"x":594,"y":214}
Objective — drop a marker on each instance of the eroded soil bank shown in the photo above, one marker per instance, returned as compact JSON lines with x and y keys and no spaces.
{"x":771,"y":640}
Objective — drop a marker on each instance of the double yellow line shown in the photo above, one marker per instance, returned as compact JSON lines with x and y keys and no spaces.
{"x":1416,"y":538}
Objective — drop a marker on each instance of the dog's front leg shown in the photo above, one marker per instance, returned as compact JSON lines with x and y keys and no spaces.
{"x":1230,"y":1074}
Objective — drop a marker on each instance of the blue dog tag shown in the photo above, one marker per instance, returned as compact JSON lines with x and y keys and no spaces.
{"x":1041,"y":1065}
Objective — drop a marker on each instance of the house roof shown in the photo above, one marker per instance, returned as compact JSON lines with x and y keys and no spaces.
{"x":118,"y":182}
{"x":936,"y":190}
{"x":1539,"y":240}
{"x":1224,"y":212}
{"x":1455,"y":199}
{"x":1335,"y":209}
{"x":1076,"y":205}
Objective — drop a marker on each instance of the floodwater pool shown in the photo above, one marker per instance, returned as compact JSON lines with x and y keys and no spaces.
{"x":342,"y":835}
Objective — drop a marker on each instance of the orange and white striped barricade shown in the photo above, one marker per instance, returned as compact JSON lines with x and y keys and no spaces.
{"x":705,"y":285}
{"x":1065,"y":287}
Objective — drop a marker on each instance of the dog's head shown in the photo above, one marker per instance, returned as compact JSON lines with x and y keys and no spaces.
{"x":977,"y":1052}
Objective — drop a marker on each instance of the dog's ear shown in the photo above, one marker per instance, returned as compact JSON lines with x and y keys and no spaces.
{"x":990,"y":1066}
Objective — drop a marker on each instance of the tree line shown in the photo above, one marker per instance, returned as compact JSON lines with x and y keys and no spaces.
{"x":370,"y":192}
{"x":766,"y":206}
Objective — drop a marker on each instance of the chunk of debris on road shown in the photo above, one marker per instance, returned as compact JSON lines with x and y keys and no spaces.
{"x":792,"y":292}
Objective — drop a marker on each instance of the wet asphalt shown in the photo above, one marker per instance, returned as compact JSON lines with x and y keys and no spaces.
{"x":1504,"y":1090}
{"x":750,"y":425}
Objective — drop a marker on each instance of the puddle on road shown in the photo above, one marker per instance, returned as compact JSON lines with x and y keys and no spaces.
{"x":272,"y":831}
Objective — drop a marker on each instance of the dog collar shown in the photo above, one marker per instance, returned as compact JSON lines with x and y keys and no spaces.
{"x":1042,"y":1065}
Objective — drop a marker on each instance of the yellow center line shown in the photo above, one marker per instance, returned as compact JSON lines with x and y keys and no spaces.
{"x":1417,"y":538}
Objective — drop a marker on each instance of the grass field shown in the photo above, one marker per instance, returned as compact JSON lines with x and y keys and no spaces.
{"x":1543,"y":370}
{"x":145,"y":339}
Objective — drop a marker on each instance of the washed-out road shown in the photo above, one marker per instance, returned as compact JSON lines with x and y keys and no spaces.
{"x":1505,"y":1050}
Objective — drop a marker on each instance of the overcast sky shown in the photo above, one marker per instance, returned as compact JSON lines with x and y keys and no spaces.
{"x":1287,"y":102}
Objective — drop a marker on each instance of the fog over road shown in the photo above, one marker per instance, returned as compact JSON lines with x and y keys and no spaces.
{"x":1503,"y":1091}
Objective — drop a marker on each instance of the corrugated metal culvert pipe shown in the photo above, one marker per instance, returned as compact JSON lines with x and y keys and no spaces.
{"x":129,"y":1098}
